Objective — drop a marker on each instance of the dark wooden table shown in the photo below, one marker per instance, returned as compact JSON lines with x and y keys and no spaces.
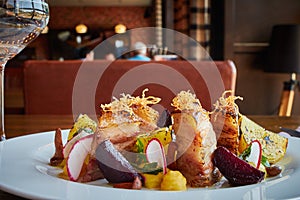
{"x":18,"y":125}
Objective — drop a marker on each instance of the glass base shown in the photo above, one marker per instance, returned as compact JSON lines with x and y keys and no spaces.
{"x":2,"y":137}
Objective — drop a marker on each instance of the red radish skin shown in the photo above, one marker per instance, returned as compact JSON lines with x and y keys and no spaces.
{"x":256,"y":159}
{"x":77,"y":155}
{"x":68,"y":146}
{"x":156,"y":155}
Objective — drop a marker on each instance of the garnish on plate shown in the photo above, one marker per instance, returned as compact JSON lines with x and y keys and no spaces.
{"x":168,"y":151}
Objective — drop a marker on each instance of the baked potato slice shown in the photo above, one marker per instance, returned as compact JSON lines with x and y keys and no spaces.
{"x":273,"y":145}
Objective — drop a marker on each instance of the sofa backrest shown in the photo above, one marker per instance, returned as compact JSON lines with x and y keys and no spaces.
{"x":74,"y":86}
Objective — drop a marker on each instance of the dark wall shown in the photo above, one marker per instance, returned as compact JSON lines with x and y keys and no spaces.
{"x":217,"y":29}
{"x":247,"y":30}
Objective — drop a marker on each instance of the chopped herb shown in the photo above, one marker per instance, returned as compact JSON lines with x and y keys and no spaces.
{"x":143,"y":166}
{"x":140,"y":146}
{"x":264,"y":161}
{"x":245,"y":153}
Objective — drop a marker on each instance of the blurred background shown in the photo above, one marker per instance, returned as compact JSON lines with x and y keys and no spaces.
{"x":227,"y":29}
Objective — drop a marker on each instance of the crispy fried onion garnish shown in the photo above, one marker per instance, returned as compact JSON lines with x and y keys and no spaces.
{"x":126,"y":103}
{"x":186,"y":101}
{"x":227,"y":103}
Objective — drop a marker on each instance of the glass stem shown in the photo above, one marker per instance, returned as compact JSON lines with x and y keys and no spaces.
{"x":2,"y":132}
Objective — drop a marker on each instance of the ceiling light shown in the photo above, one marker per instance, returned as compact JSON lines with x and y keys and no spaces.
{"x":81,"y":28}
{"x":120,"y":28}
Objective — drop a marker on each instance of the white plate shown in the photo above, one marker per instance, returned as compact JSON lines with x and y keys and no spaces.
{"x":24,"y":171}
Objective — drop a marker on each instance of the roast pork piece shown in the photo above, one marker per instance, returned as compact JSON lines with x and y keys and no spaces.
{"x":196,"y":143}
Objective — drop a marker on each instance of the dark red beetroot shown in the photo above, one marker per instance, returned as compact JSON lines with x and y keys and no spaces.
{"x":234,"y":169}
{"x":114,"y":166}
{"x":165,"y":119}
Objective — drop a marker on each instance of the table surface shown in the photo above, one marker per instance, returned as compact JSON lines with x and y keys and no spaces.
{"x":18,"y":125}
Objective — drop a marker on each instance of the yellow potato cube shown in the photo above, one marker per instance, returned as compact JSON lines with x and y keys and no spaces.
{"x":153,"y":181}
{"x":173,"y":180}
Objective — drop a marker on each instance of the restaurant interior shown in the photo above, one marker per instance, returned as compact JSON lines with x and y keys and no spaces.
{"x":239,"y":31}
{"x":254,"y":45}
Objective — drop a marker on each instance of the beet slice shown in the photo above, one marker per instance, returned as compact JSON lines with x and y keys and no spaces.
{"x":165,"y":119}
{"x":114,"y":166}
{"x":234,"y":169}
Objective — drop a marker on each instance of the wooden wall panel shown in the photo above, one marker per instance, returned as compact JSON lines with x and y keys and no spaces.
{"x":248,"y":26}
{"x":181,"y":24}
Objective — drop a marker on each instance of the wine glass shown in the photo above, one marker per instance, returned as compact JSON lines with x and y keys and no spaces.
{"x":21,"y":21}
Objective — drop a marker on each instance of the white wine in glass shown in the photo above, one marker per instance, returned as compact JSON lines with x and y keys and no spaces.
{"x":21,"y":21}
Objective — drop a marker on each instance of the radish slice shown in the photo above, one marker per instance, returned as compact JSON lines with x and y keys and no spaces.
{"x":155,"y":153}
{"x":68,"y":146}
{"x":77,"y":156}
{"x":255,"y":153}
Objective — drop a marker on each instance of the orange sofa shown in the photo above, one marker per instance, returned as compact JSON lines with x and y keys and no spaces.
{"x":74,"y":86}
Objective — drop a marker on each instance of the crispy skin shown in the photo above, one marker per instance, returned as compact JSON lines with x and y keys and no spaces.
{"x":123,"y":127}
{"x":226,"y":127}
{"x":196,"y":142}
{"x":146,"y":122}
{"x":124,"y":135}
